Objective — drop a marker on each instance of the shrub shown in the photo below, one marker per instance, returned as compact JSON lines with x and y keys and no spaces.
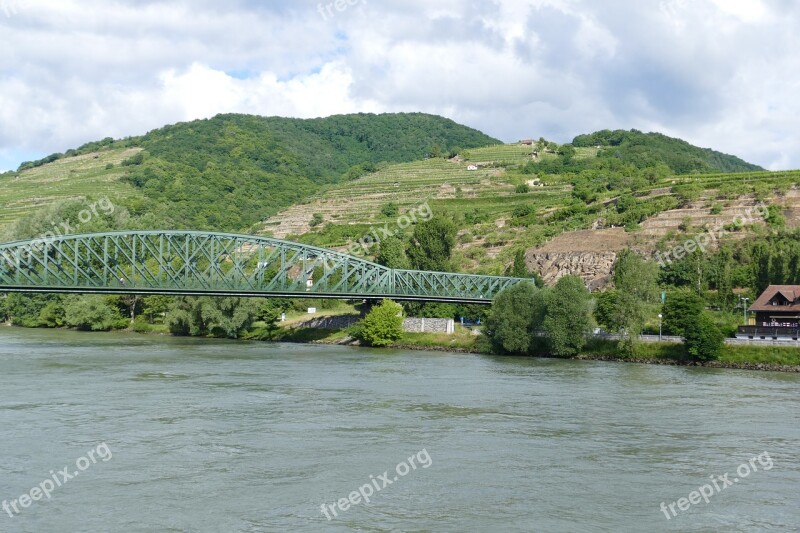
{"x":390,"y":210}
{"x":382,"y":326}
{"x":92,"y":313}
{"x":703,"y":340}
{"x":522,"y":188}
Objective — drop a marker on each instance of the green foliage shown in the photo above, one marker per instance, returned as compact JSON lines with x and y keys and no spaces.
{"x":516,"y":318}
{"x":218,"y":316}
{"x":232,"y":171}
{"x":522,"y":211}
{"x":520,"y":267}
{"x":522,"y":188}
{"x":25,"y":310}
{"x":775,"y":217}
{"x":607,"y":311}
{"x":392,"y":253}
{"x":680,"y":311}
{"x":155,"y":306}
{"x":636,"y":286}
{"x":136,"y":159}
{"x":569,"y":317}
{"x":316,"y":220}
{"x":229,"y":317}
{"x":52,"y":314}
{"x":649,"y":149}
{"x":703,"y":340}
{"x":432,"y":245}
{"x":383,"y":325}
{"x":390,"y":210}
{"x":430,"y":310}
{"x":93,"y":313}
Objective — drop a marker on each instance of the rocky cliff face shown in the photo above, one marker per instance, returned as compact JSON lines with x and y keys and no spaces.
{"x":589,"y":254}
{"x":593,"y":267}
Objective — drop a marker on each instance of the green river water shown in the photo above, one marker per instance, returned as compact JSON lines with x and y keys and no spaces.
{"x":185,"y":435}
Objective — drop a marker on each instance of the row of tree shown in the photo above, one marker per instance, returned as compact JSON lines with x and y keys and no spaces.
{"x":526,"y":319}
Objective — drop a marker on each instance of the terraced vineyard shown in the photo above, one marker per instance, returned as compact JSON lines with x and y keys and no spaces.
{"x":442,"y":183}
{"x":499,"y":220}
{"x":73,"y":178}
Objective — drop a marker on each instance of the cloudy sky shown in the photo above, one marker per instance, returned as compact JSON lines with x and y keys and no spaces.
{"x":718,"y":73}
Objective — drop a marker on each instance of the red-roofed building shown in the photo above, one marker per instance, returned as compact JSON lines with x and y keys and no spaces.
{"x":777,"y":314}
{"x":779,"y":305}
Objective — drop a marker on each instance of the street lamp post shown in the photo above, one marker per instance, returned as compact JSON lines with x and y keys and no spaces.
{"x":659,"y":326}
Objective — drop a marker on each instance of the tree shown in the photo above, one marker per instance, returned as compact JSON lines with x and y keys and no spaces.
{"x":636,"y":286}
{"x":316,"y":220}
{"x":229,"y":316}
{"x":155,"y":305}
{"x":681,"y":310}
{"x":92,"y":313}
{"x":515,"y":320}
{"x":432,"y":244}
{"x":703,"y":340}
{"x":383,"y":325}
{"x":569,"y":317}
{"x":392,"y":253}
{"x":607,"y":311}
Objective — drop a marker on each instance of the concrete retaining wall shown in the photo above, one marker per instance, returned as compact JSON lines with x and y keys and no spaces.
{"x":410,"y":325}
{"x":429,"y":325}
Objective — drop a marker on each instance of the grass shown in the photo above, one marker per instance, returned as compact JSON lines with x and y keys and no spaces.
{"x":462,"y":339}
{"x":767,"y":355}
{"x":70,"y":178}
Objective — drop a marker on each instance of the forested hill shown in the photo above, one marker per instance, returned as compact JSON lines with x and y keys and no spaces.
{"x":648,"y":149}
{"x":231,"y":171}
{"x":256,"y":165}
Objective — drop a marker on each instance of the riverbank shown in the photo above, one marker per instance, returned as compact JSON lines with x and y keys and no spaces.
{"x":748,"y":357}
{"x":765,"y":358}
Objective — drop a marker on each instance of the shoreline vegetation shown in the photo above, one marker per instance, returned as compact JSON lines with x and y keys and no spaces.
{"x":753,"y":357}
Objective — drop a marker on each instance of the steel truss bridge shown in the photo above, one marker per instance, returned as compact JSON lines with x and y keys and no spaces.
{"x":194,"y":263}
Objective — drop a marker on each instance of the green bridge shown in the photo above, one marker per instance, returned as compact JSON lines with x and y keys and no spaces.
{"x":221,"y":264}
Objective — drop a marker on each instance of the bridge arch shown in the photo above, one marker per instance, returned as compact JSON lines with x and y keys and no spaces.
{"x":209,"y":263}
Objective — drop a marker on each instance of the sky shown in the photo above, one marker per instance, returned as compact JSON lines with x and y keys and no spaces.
{"x":723,"y":74}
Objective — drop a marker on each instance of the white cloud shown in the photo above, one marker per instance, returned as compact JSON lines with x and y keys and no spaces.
{"x":721,"y":73}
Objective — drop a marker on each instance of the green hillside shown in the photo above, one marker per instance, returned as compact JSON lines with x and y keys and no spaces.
{"x":231,"y":171}
{"x":512,"y":202}
{"x":649,"y":149}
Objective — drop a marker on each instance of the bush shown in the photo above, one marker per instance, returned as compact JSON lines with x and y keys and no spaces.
{"x":390,"y":210}
{"x":93,"y":313}
{"x":316,"y":220}
{"x":521,"y":211}
{"x":382,"y":326}
{"x":522,"y":188}
{"x":136,"y":159}
{"x":703,"y":340}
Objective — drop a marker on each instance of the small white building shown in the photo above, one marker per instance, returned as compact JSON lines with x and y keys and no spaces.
{"x":472,"y":167}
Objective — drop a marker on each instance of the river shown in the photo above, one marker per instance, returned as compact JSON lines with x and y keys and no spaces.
{"x":170,"y":434}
